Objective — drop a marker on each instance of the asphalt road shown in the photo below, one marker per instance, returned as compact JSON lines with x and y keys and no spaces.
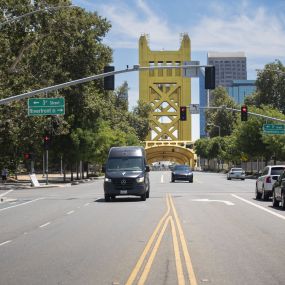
{"x":211,"y":231}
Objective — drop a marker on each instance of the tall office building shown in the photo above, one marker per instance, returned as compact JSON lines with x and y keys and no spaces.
{"x":231,"y":73}
{"x":229,"y":66}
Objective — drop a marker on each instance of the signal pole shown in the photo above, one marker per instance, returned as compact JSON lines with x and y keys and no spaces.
{"x":46,"y":166}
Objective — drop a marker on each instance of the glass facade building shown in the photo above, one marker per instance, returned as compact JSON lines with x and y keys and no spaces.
{"x":240,"y":89}
{"x":203,"y":102}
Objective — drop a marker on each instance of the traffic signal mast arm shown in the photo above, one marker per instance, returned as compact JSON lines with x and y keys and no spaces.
{"x":251,"y":113}
{"x":91,"y":78}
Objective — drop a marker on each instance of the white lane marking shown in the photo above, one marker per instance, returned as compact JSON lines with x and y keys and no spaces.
{"x":70,"y":212}
{"x":44,"y":225}
{"x":207,"y":200}
{"x":4,"y":194}
{"x":22,"y":204}
{"x":161,"y":179}
{"x":87,"y":204}
{"x":5,"y":242}
{"x":259,"y":207}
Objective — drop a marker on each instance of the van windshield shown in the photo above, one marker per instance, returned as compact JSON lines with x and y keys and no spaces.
{"x":125,"y":163}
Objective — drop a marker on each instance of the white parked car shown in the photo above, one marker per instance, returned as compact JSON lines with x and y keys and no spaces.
{"x":264,"y":183}
{"x":237,"y":173}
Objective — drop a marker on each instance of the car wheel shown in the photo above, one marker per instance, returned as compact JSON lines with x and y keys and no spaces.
{"x":172,"y":179}
{"x":242,"y":179}
{"x":264,"y":196}
{"x":147,"y":194}
{"x":143,"y":197}
{"x":275,"y":203}
{"x":107,"y":198}
{"x":229,"y":178}
{"x":257,"y":194}
{"x":283,"y":201}
{"x":191,"y":180}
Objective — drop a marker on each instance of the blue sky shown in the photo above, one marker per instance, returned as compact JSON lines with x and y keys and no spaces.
{"x":256,"y":27}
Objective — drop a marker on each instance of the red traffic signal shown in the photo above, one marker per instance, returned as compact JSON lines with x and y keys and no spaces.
{"x":27,"y":155}
{"x":183,"y":114}
{"x":47,"y":141}
{"x":243,"y":113}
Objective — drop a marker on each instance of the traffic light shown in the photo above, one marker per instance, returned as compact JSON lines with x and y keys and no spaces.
{"x":27,"y":156}
{"x":243,"y":113}
{"x":183,"y":114}
{"x":210,"y":77}
{"x":109,"y":81}
{"x":47,"y":141}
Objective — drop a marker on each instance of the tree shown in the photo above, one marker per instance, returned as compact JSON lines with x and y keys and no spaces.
{"x":122,"y":100}
{"x":200,"y":147}
{"x":41,"y":50}
{"x":222,"y":118}
{"x":270,"y":85}
{"x":139,"y":119}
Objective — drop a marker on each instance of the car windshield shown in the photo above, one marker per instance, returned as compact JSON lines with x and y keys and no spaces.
{"x":277,"y":170}
{"x":237,"y":169}
{"x":181,"y":167}
{"x":125,"y":163}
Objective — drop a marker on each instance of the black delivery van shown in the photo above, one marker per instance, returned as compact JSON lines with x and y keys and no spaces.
{"x":126,"y":173}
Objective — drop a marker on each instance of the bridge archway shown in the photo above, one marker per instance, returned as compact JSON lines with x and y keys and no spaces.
{"x":178,"y":154}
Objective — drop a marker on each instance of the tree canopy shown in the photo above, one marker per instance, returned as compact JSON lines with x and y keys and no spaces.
{"x":51,"y":47}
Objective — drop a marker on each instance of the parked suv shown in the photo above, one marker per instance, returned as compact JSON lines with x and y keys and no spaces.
{"x":278,"y":192}
{"x":264,"y":183}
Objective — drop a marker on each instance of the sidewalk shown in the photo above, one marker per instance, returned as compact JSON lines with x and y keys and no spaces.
{"x":54,"y":180}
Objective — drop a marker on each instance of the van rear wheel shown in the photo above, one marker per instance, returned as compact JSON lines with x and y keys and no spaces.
{"x":147,"y":194}
{"x":107,"y":198}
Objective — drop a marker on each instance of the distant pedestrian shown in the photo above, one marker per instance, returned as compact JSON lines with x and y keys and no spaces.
{"x":4,"y":174}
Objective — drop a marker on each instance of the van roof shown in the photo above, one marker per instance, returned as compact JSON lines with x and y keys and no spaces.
{"x":127,"y":151}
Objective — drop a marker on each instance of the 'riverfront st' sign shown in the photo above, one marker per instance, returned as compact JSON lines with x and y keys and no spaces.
{"x":274,"y":129}
{"x":46,"y":106}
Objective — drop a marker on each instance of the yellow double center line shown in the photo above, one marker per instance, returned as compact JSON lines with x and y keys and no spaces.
{"x":150,"y":250}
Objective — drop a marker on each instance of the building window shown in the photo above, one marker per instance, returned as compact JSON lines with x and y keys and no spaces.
{"x":151,"y":71}
{"x":160,"y":71}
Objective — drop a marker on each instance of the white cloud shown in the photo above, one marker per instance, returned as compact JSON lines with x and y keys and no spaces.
{"x":260,"y":35}
{"x":129,"y":24}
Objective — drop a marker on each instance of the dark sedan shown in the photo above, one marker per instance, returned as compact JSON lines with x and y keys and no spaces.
{"x":182,"y":172}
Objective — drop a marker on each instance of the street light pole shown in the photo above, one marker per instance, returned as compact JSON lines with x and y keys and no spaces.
{"x":216,"y":127}
{"x":36,"y":11}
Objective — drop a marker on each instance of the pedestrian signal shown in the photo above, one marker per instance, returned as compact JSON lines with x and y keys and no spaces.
{"x":243,"y":113}
{"x":183,"y":114}
{"x":47,"y":141}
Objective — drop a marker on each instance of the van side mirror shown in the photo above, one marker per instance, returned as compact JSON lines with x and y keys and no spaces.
{"x":104,"y":168}
{"x":147,"y":169}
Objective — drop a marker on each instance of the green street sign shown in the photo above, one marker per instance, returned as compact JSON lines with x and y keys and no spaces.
{"x":272,"y":129}
{"x":46,"y":106}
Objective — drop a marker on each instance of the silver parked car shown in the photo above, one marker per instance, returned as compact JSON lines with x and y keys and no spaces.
{"x":237,"y":173}
{"x":278,"y":192}
{"x":264,"y":183}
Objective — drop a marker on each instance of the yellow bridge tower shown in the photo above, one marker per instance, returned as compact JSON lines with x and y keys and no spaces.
{"x":166,"y":90}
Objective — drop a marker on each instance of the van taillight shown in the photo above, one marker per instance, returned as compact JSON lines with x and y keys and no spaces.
{"x":268,"y":179}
